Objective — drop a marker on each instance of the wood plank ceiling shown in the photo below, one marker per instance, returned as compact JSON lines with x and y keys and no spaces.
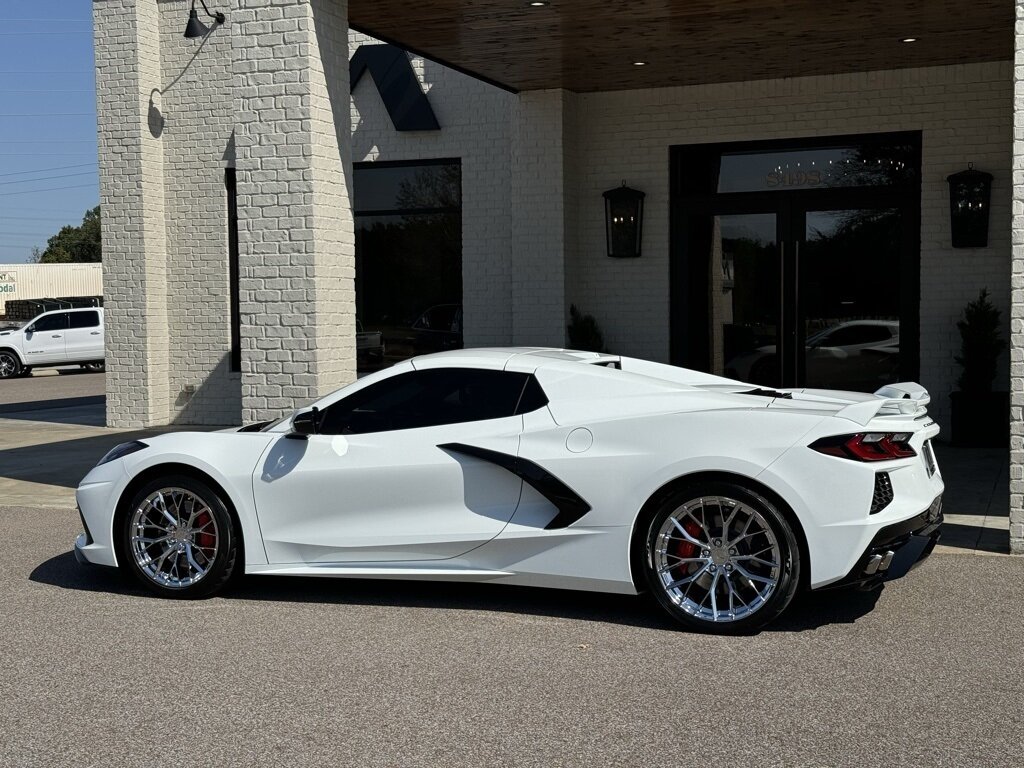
{"x":590,"y":45}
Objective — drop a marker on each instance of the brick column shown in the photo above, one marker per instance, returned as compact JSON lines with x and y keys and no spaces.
{"x":296,"y":237}
{"x":127,"y":40}
{"x":542,"y":215}
{"x":1017,"y":298}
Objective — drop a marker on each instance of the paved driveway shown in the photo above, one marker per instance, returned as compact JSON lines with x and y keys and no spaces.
{"x":361,"y":673}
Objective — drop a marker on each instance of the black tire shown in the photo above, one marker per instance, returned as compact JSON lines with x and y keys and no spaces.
{"x":730,"y":549}
{"x":10,"y":365}
{"x":220,"y":564}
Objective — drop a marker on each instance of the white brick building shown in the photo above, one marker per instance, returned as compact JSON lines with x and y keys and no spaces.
{"x":554,"y":113}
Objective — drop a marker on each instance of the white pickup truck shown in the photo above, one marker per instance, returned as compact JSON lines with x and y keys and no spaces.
{"x":62,"y":337}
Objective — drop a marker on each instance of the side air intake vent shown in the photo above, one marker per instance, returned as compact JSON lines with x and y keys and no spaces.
{"x":883,"y":492}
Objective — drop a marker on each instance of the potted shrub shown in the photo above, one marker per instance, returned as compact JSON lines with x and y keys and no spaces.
{"x":980,"y":416}
{"x":584,"y":332}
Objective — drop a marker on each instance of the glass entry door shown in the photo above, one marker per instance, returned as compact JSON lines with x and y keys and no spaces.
{"x":849,"y":274}
{"x":797,"y":265}
{"x":805,"y":298}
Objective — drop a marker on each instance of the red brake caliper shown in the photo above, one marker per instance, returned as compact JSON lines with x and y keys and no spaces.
{"x":205,"y":539}
{"x":686,"y":548}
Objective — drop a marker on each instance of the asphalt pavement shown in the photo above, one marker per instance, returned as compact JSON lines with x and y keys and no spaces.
{"x":94,"y":672}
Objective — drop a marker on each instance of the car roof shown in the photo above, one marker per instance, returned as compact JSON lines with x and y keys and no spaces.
{"x":524,"y":358}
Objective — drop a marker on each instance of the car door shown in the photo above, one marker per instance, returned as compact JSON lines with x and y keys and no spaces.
{"x":44,"y":339}
{"x":375,"y":485}
{"x":84,"y":337}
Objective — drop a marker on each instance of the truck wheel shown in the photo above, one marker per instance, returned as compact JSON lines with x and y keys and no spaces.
{"x":10,"y":365}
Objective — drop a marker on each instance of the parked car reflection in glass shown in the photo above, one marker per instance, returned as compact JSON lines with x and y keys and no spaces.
{"x":858,"y":355}
{"x":437,"y":329}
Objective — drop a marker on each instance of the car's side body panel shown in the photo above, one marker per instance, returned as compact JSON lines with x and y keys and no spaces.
{"x":385,"y":496}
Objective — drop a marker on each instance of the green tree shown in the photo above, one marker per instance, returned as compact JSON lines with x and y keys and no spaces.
{"x":75,"y":244}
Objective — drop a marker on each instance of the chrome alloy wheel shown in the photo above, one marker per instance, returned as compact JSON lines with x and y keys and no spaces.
{"x":8,"y":365}
{"x":174,"y":537}
{"x":717,"y":558}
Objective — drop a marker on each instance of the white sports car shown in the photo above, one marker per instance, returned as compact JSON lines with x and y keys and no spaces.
{"x":540,"y":467}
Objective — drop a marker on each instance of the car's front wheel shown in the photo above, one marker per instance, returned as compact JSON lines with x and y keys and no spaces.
{"x":10,"y":365}
{"x":178,"y":538}
{"x":721,"y":558}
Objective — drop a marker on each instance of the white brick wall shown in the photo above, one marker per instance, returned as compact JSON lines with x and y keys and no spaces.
{"x":963,"y":112}
{"x":197,"y":138}
{"x":1017,"y":286}
{"x":296,"y":239}
{"x":126,"y":34}
{"x":541,"y":216}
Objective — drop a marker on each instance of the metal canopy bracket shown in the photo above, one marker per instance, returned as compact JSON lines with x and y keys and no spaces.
{"x":389,"y":66}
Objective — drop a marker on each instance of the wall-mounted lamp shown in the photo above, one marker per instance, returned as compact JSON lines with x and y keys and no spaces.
{"x":970,"y":194}
{"x":196,"y":28}
{"x":624,"y":221}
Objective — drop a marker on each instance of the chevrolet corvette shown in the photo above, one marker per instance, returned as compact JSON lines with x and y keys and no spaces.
{"x":539,"y":467}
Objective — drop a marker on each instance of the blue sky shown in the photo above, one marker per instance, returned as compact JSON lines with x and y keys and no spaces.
{"x":48,"y":174}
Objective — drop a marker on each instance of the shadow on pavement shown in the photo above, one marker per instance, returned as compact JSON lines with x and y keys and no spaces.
{"x":63,"y":463}
{"x":91,"y":413}
{"x":807,"y":612}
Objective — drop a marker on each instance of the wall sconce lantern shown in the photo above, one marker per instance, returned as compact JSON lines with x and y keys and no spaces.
{"x":195,"y":28}
{"x":970,"y":194}
{"x":624,"y":220}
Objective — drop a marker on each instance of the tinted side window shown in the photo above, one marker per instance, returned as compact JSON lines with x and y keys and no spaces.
{"x":533,"y":397}
{"x":84,"y":319}
{"x":426,"y":399}
{"x":57,"y":322}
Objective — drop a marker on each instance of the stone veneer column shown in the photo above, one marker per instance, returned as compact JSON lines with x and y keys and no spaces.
{"x":541,"y":216}
{"x":296,"y":237}
{"x":1017,"y":298}
{"x":127,"y":40}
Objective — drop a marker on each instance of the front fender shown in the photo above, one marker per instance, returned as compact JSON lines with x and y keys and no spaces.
{"x":228,"y":458}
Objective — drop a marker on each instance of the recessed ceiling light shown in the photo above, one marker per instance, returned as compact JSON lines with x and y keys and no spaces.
{"x":539,"y":3}
{"x":909,"y":40}
{"x":639,"y":63}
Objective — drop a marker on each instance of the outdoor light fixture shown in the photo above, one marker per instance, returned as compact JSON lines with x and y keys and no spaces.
{"x":624,"y":219}
{"x":196,"y":28}
{"x":909,"y":40}
{"x":639,"y":63}
{"x":970,"y":192}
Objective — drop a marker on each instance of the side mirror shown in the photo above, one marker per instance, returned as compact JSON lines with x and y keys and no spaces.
{"x":305,"y":424}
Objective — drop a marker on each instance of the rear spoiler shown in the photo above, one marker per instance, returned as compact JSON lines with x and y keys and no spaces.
{"x":906,"y":398}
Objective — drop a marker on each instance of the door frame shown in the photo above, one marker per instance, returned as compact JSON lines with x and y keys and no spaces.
{"x":689,"y":302}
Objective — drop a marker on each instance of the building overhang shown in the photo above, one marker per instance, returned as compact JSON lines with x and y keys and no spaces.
{"x":594,"y":45}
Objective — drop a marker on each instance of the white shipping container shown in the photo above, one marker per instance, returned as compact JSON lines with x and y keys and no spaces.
{"x":45,"y":281}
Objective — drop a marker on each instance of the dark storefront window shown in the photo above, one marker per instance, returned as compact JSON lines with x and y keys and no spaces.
{"x":408,"y":221}
{"x":796,"y":263}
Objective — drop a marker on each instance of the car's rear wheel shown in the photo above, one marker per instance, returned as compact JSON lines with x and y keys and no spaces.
{"x":10,"y":365}
{"x":178,"y":538}
{"x":721,"y":558}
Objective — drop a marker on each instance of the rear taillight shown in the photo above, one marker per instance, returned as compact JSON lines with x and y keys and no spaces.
{"x":867,"y":446}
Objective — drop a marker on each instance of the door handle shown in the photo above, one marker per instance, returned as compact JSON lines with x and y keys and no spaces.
{"x":95,"y":333}
{"x":56,"y":336}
